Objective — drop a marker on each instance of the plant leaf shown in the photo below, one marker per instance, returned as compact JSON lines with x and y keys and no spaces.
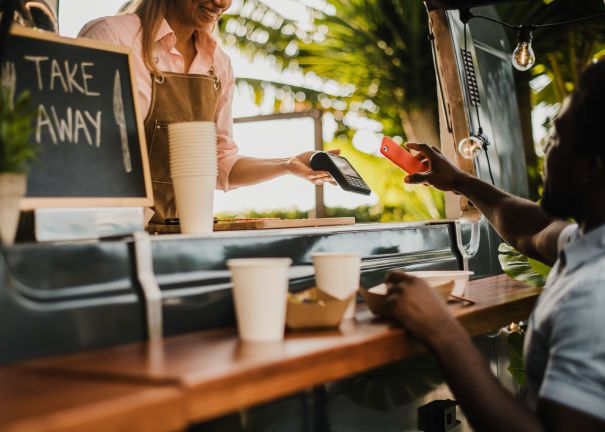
{"x":520,"y":268}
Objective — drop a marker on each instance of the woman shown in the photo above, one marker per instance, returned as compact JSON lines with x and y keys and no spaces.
{"x":183,"y":75}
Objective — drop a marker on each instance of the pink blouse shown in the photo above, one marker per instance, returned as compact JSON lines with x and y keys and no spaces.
{"x":125,"y":30}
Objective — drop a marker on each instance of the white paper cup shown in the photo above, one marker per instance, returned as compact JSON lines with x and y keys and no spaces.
{"x":192,"y":153}
{"x":211,"y":158}
{"x":337,"y":274}
{"x":189,"y":135}
{"x":193,"y":145}
{"x":192,"y":139}
{"x":194,"y":124}
{"x":194,"y":161}
{"x":194,"y":200}
{"x":191,"y":127}
{"x":260,"y":288}
{"x":188,"y":172}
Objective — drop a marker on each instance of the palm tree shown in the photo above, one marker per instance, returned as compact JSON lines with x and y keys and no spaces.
{"x":378,"y":54}
{"x":378,"y":49}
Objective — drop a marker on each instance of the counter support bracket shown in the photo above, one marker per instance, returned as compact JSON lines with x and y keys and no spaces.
{"x":461,"y":255}
{"x":460,"y":251}
{"x":152,"y":294}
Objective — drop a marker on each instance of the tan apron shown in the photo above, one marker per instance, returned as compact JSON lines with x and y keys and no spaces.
{"x":174,"y":98}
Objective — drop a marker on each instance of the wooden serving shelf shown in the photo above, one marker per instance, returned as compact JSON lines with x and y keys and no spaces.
{"x":216,"y":374}
{"x":31,"y":401}
{"x":259,"y":224}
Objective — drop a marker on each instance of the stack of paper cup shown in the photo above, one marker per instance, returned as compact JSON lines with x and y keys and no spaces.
{"x":193,"y":168}
{"x":260,"y":288}
{"x":337,"y":274}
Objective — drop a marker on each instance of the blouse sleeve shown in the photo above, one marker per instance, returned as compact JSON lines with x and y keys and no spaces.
{"x":99,"y":29}
{"x":226,"y":148}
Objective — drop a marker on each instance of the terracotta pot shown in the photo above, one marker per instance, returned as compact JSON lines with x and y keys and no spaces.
{"x":12,"y":189}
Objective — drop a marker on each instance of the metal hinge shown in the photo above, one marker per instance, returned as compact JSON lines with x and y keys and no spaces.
{"x":151,"y":291}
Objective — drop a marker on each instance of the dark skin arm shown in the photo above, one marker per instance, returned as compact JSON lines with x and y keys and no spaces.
{"x":536,"y":237}
{"x":486,"y":404}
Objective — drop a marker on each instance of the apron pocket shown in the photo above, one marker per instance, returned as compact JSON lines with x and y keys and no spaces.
{"x":159,"y":156}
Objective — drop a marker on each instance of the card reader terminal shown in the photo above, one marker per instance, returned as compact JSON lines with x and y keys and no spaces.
{"x":341,"y":170}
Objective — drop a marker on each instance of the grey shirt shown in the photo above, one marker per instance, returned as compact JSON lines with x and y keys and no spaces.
{"x":565,"y":343}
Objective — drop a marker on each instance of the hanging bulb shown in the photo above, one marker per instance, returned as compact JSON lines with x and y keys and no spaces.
{"x":523,"y":56}
{"x":470,"y":147}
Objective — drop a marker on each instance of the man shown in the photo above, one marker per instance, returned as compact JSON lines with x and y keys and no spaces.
{"x":565,"y":343}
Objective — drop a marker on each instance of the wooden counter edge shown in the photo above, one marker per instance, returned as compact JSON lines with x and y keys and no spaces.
{"x":207,"y":397}
{"x":213,"y":399}
{"x":146,"y":408}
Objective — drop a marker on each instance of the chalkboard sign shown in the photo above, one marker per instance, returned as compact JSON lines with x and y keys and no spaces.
{"x":93,"y":150}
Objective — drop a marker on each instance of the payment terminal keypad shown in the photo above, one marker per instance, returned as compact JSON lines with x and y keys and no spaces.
{"x":342,"y":171}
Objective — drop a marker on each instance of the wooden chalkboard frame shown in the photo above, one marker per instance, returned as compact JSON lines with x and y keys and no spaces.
{"x":32,"y":203}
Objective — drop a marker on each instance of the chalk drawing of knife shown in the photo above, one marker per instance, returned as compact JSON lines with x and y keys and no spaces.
{"x":118,"y":112}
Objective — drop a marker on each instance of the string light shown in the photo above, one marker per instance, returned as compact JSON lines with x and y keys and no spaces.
{"x":470,"y":147}
{"x":523,"y":57}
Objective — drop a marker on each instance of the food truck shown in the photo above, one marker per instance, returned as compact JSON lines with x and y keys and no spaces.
{"x":136,"y":332}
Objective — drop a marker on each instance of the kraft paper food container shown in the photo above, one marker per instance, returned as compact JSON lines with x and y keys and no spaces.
{"x":324,"y":312}
{"x":440,"y":277}
{"x":376,"y":297}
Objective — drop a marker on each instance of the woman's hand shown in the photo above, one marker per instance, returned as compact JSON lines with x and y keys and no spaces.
{"x":300,"y":166}
{"x":418,"y":308}
{"x":442,"y":174}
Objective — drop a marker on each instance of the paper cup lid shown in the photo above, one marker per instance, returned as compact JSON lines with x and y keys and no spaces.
{"x":258,"y":262}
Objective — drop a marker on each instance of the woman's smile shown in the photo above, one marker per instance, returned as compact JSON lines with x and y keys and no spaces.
{"x":211,"y":11}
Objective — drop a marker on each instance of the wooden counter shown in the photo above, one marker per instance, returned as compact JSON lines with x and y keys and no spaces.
{"x":44,"y":402}
{"x":217,"y":374}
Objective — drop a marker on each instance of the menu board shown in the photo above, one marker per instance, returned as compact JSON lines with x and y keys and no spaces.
{"x":92,"y":143}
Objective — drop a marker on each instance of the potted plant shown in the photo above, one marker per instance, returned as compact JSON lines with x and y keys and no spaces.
{"x":16,"y":151}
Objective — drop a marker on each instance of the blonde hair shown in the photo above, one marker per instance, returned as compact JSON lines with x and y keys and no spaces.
{"x":151,"y":13}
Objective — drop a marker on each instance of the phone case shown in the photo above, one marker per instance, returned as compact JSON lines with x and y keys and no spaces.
{"x":401,"y":157}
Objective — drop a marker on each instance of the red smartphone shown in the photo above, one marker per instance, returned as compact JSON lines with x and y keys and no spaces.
{"x":401,"y":157}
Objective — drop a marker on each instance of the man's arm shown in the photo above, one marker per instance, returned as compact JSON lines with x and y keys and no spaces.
{"x":487,"y":405}
{"x":520,"y":222}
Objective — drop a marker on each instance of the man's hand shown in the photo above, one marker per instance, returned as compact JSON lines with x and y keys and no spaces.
{"x":442,"y":173}
{"x":300,"y":166}
{"x":416,"y":306}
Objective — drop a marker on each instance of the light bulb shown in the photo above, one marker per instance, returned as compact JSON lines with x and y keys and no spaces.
{"x":523,"y":57}
{"x":470,"y":147}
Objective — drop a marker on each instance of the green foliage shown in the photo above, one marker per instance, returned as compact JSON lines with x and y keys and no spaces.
{"x":561,"y":52}
{"x":522,"y":268}
{"x":16,"y":128}
{"x":414,"y":202}
{"x":362,"y":214}
{"x":382,"y":48}
{"x":379,"y":55}
{"x":516,"y":365}
{"x":379,"y":51}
